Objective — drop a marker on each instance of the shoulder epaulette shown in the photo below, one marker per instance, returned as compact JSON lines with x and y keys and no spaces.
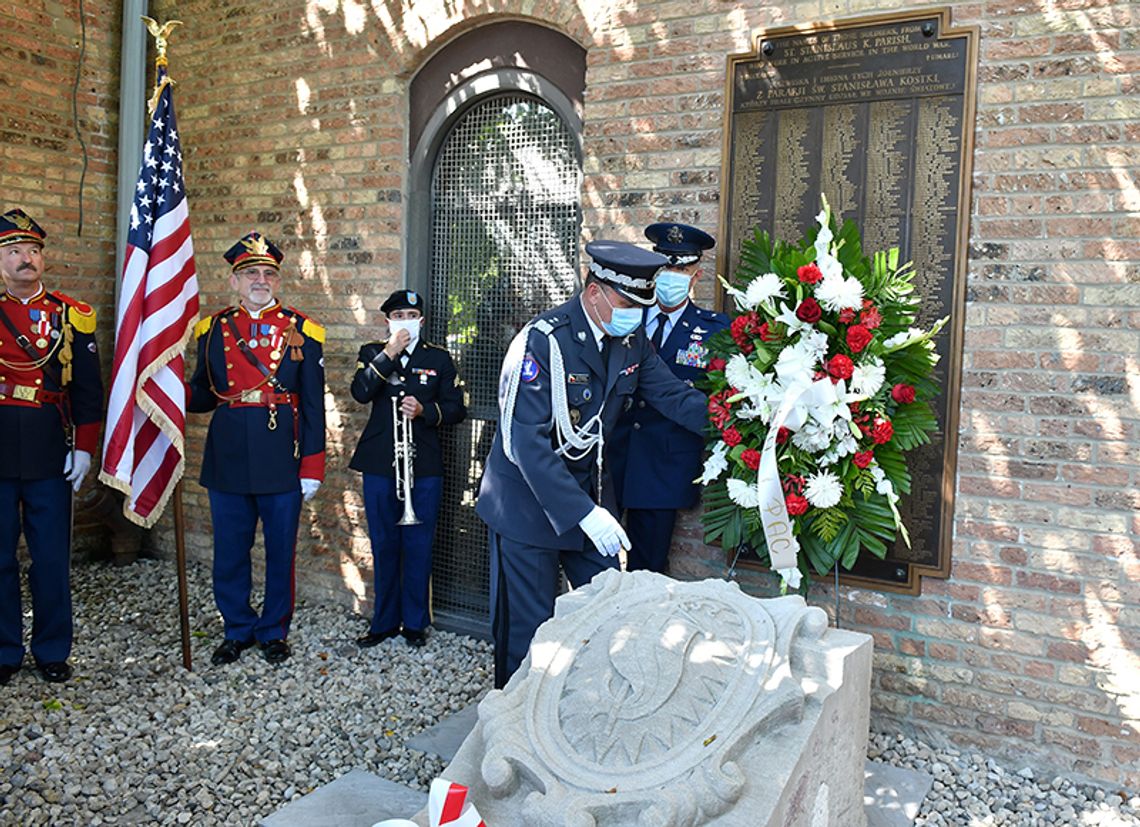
{"x":437,"y":347}
{"x":312,"y":330}
{"x":203,"y":326}
{"x":80,"y":314}
{"x":556,"y":319}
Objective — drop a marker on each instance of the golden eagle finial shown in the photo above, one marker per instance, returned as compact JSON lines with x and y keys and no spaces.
{"x":161,"y":34}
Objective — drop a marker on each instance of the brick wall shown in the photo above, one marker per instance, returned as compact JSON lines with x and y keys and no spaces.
{"x":294,"y":121}
{"x":40,"y":150}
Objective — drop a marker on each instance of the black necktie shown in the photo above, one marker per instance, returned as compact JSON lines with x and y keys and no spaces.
{"x":659,"y":333}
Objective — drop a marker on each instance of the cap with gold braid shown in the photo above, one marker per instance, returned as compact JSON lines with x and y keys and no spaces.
{"x":254,"y":249}
{"x":16,"y":227}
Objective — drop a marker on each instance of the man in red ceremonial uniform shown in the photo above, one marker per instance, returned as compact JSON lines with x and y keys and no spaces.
{"x":261,"y":371}
{"x":51,"y":402}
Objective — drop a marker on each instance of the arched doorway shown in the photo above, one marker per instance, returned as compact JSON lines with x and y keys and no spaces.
{"x":503,"y":222}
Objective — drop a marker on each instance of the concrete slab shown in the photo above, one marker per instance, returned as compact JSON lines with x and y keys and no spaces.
{"x":356,"y":799}
{"x":892,"y":796}
{"x":445,"y":737}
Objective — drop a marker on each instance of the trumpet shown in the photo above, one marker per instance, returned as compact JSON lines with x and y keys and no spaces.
{"x":404,"y":449}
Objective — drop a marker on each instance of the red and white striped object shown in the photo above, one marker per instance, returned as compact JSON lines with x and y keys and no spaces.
{"x":143,"y":454}
{"x":447,"y":807}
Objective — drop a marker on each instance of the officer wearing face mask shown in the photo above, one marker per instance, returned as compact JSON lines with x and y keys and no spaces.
{"x":546,"y":496}
{"x":654,"y":461}
{"x":420,"y":379}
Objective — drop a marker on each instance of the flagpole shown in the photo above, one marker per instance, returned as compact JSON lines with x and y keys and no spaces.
{"x":180,"y":562}
{"x":161,"y":33}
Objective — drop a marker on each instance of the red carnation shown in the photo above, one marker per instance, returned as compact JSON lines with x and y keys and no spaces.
{"x":846,"y":315}
{"x":903,"y":393}
{"x":717,"y":364}
{"x":751,"y":458}
{"x":743,"y":327}
{"x":770,"y":333}
{"x":858,"y":337}
{"x":882,"y":430}
{"x":810,"y":273}
{"x":809,"y":311}
{"x":871,"y":318}
{"x":863,"y":458}
{"x":796,"y":504}
{"x":782,"y":436}
{"x":840,"y":366}
{"x":732,"y":436}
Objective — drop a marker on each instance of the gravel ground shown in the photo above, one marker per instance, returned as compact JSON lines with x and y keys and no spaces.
{"x":135,"y":739}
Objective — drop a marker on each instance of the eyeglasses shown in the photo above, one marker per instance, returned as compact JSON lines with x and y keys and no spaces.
{"x":250,"y":276}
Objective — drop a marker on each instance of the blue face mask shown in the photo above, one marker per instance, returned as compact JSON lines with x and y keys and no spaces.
{"x":623,"y":320}
{"x":672,"y":287}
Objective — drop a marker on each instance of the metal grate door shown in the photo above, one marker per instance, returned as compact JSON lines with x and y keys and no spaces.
{"x":505,"y":220}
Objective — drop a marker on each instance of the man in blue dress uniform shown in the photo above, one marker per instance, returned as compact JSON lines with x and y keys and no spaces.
{"x":403,"y":377}
{"x":51,"y":407}
{"x":655,"y":461}
{"x":545,"y":495}
{"x":261,"y":371}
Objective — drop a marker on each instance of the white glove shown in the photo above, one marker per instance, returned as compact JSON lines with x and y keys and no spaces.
{"x":75,"y":472}
{"x":604,"y":531}
{"x":309,"y":488}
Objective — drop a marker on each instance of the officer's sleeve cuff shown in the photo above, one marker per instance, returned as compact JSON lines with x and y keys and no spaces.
{"x":87,"y":437}
{"x":313,"y":467}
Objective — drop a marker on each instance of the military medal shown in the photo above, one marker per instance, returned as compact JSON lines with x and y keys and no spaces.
{"x":265,"y":341}
{"x":274,"y":354}
{"x":41,"y":342}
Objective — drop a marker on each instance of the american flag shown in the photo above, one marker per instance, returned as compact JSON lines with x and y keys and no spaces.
{"x":144,"y":453}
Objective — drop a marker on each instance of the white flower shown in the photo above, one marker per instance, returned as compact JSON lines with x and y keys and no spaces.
{"x":812,"y":436}
{"x":743,"y":493}
{"x":903,"y":338}
{"x":823,"y":489}
{"x":796,"y":365}
{"x":746,"y":379}
{"x":715,"y":465}
{"x":829,"y":266}
{"x":760,"y":289}
{"x":754,"y":410}
{"x":792,"y":576}
{"x":845,"y":445}
{"x":837,"y":293}
{"x":787,"y":317}
{"x":868,"y":377}
{"x":813,"y":342}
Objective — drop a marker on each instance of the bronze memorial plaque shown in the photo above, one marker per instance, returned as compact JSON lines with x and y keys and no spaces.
{"x":878,"y":115}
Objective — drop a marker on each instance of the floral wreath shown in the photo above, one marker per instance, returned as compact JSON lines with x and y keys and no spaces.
{"x":817,"y":391}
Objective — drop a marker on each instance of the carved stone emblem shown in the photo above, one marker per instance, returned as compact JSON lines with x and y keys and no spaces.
{"x":647,"y":701}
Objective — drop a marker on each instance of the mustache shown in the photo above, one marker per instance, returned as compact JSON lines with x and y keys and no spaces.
{"x":25,"y":267}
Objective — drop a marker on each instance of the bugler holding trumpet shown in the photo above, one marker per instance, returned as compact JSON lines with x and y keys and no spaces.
{"x":414,"y":389}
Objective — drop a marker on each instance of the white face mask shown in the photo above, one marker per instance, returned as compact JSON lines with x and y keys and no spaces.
{"x":410,"y":325}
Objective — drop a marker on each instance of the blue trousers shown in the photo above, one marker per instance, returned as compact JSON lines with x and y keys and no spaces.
{"x":235,"y":526}
{"x":401,"y":554}
{"x":650,"y":533}
{"x":45,"y":506}
{"x":524,"y":583}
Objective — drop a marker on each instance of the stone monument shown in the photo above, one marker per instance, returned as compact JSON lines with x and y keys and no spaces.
{"x":651,"y":702}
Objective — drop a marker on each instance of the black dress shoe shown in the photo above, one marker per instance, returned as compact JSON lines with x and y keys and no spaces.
{"x":55,"y":672}
{"x":372,"y":638}
{"x":229,"y":651}
{"x":6,"y":673}
{"x":415,"y":637}
{"x":275,"y":651}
